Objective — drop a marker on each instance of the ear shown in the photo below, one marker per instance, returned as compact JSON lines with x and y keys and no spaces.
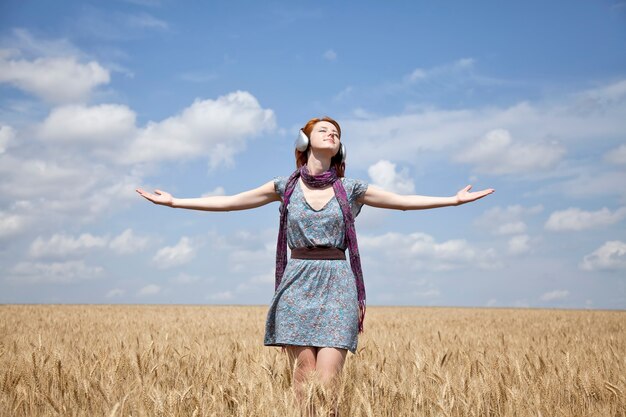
{"x":302,"y":142}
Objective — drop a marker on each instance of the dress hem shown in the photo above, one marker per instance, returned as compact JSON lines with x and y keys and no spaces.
{"x":338,"y":346}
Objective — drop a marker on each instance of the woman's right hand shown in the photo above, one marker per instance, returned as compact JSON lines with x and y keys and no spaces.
{"x":159,"y":197}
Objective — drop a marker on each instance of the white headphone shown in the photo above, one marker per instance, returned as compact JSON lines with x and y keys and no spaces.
{"x":302,"y":144}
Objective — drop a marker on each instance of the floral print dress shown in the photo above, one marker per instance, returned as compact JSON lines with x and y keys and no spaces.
{"x":316,"y":302}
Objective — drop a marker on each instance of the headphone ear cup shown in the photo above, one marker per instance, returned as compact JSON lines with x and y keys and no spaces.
{"x":302,"y":142}
{"x":342,"y":153}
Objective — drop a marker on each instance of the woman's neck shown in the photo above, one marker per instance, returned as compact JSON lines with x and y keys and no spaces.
{"x":317,"y":165}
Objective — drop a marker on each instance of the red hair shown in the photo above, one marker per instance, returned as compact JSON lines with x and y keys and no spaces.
{"x":302,"y":157}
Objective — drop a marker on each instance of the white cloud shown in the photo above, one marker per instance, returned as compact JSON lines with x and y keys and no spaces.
{"x":184,"y":278}
{"x":601,"y":97}
{"x":115,"y":292}
{"x":61,"y":174}
{"x":117,"y":26}
{"x":68,"y":189}
{"x":417,"y":74}
{"x":23,"y":41}
{"x":265,"y":280}
{"x":464,"y":63}
{"x":404,"y":137}
{"x":246,"y":252}
{"x":91,"y":125}
{"x":198,"y":76}
{"x":497,"y":153}
{"x":576,"y":219}
{"x":214,"y":128}
{"x":151,"y":289}
{"x":243,"y":258}
{"x":330,"y":55}
{"x":555,"y":295}
{"x":431,"y":293}
{"x":519,"y":244}
{"x":343,"y":94}
{"x":510,"y":228}
{"x":589,"y":183}
{"x":128,"y":242}
{"x":147,"y":3}
{"x":421,"y":74}
{"x":407,"y":137}
{"x":115,"y":191}
{"x":610,"y":256}
{"x":421,"y":251}
{"x":60,"y":245}
{"x":215,"y":191}
{"x":55,"y":79}
{"x":146,"y":21}
{"x":383,"y":174}
{"x":54,"y":272}
{"x":507,"y":220}
{"x":617,"y":155}
{"x":169,"y":256}
{"x":11,"y":224}
{"x":7,"y":134}
{"x":221,"y":296}
{"x":25,"y":178}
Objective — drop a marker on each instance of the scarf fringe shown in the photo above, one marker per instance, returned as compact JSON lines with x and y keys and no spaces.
{"x":361,"y":315}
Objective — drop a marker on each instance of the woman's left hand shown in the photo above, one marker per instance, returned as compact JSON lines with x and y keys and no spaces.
{"x":465,"y":196}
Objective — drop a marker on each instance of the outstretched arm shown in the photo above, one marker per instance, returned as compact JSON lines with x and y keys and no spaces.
{"x":247,"y":200}
{"x":377,"y":197}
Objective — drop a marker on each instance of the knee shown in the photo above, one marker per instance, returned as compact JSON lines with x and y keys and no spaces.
{"x":330,"y":363}
{"x":327,"y":373}
{"x":304,"y":366}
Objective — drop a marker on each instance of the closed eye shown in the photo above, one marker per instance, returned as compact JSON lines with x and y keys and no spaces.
{"x":335,"y":134}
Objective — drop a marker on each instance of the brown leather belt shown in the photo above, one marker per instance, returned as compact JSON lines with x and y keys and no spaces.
{"x":318,"y":253}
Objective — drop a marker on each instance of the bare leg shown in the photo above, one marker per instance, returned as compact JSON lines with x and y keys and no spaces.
{"x":329,"y":365}
{"x":326,"y":362}
{"x":302,"y":360}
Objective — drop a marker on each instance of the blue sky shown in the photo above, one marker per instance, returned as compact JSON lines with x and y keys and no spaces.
{"x":199,"y":98}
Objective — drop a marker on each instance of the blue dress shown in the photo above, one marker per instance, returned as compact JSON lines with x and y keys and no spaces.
{"x":316,"y":302}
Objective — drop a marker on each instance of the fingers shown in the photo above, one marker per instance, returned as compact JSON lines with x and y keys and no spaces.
{"x":473,"y":196}
{"x":145,"y":194}
{"x":483,"y":193}
{"x":465,"y":190}
{"x":142,"y":193}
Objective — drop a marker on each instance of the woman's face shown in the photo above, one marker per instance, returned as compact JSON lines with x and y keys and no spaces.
{"x":325,"y":136}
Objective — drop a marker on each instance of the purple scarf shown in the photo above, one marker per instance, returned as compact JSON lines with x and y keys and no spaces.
{"x":320,"y":181}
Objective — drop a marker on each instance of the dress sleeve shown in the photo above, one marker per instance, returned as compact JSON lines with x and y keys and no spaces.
{"x":279,"y":185}
{"x":355,"y":190}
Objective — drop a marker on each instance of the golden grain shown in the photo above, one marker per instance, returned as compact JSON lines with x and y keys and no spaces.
{"x":210,"y":361}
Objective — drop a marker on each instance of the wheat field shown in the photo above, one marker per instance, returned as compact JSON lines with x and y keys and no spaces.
{"x":104,"y":360}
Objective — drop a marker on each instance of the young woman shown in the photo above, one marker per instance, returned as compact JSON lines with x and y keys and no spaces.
{"x":319,"y":304}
